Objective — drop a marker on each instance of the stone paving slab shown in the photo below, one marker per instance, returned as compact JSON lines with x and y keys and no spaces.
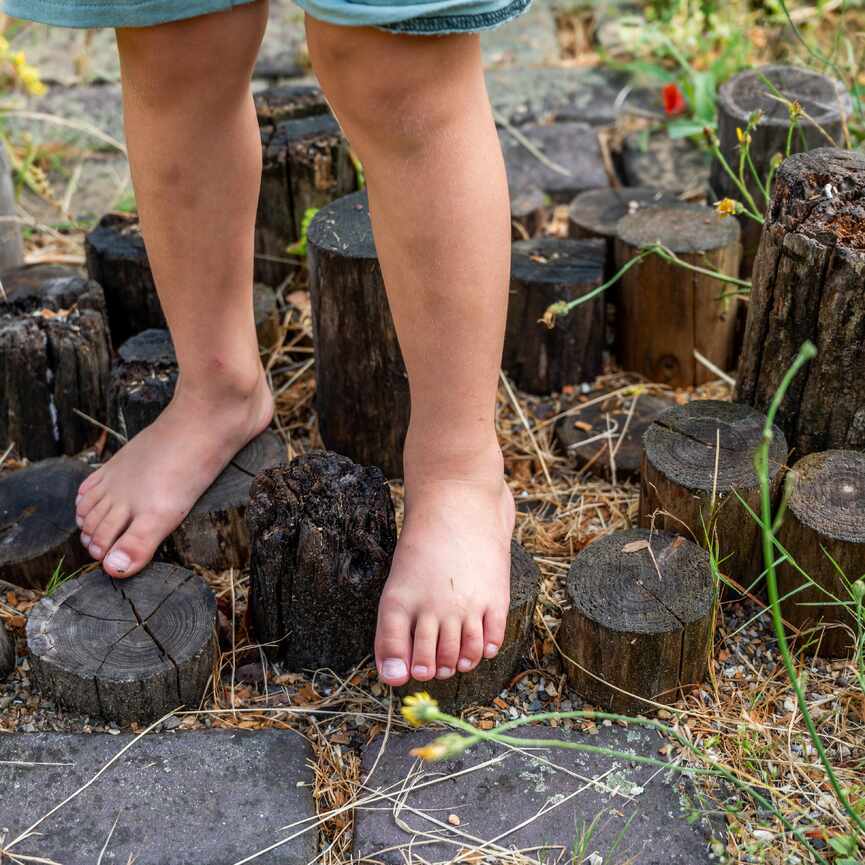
{"x":640,"y":814}
{"x":187,"y":798}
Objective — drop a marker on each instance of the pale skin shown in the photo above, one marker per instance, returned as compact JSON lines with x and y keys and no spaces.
{"x":416,"y":112}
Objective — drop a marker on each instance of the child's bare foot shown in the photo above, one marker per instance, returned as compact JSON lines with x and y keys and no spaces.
{"x":133,"y":502}
{"x":446,"y":600}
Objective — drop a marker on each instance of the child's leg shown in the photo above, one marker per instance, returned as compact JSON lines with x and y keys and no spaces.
{"x":416,"y":111}
{"x":195,"y":155}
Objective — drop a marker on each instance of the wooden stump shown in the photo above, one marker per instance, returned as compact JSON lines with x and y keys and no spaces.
{"x":808,"y":284}
{"x":639,"y":619}
{"x":605,"y":437}
{"x":362,"y":394}
{"x":666,"y":312}
{"x":117,"y":260}
{"x":703,"y":452}
{"x":288,"y":102}
{"x":543,"y":271}
{"x":323,"y":533}
{"x":7,"y":652}
{"x":824,"y":526}
{"x":826,"y":104}
{"x":54,"y":359}
{"x":530,"y":209}
{"x":142,"y":381}
{"x":306,"y":165}
{"x":37,"y":522}
{"x":214,"y":534}
{"x":483,"y":684}
{"x":267,"y":318}
{"x":127,"y":650}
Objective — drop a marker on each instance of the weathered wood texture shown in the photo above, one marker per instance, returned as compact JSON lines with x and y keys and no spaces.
{"x":482,"y":685}
{"x":11,"y":247}
{"x":214,"y":533}
{"x":7,"y":652}
{"x":323,"y":533}
{"x":543,"y":271}
{"x":638,"y":623}
{"x":826,"y":104}
{"x":37,"y":521}
{"x":306,"y":164}
{"x":54,"y":359}
{"x":362,"y":393}
{"x":605,"y":437}
{"x":267,"y":319}
{"x":143,"y":379}
{"x":666,"y":312}
{"x":703,"y":453}
{"x":126,"y":650}
{"x":809,"y":283}
{"x":530,"y":209}
{"x":824,"y":523}
{"x":117,"y":260}
{"x":288,"y":102}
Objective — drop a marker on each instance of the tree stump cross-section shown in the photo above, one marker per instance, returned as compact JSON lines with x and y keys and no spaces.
{"x":639,"y":619}
{"x":126,"y":650}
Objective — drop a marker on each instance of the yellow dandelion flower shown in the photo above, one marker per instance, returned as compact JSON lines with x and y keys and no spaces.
{"x":726,"y":207}
{"x":443,"y":748}
{"x":419,"y":708}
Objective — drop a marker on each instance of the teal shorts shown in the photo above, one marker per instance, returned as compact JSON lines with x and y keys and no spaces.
{"x":402,"y":16}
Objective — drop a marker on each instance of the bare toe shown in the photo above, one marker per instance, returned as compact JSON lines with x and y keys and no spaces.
{"x":494,"y":632}
{"x":86,"y":503}
{"x":94,"y":518}
{"x":448,"y":648}
{"x":472,"y":644}
{"x":392,"y":644}
{"x":114,"y":522}
{"x":423,"y":659}
{"x":134,"y":548}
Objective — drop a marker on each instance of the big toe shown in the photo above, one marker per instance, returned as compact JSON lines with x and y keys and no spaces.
{"x":393,"y":644}
{"x":472,"y":645}
{"x":133,"y":549}
{"x":495,"y":621}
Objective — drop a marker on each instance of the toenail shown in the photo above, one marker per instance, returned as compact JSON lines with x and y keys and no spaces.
{"x":419,"y":670}
{"x":490,"y":650}
{"x":119,"y":561}
{"x":85,"y":539}
{"x":392,"y":668}
{"x":95,"y":551}
{"x":444,"y":672}
{"x":464,"y":665}
{"x":78,"y":498}
{"x":79,"y":522}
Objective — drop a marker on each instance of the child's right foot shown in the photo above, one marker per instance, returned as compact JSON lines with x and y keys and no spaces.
{"x":131,"y":504}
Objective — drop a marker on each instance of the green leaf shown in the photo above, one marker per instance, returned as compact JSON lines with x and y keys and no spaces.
{"x":846,"y":845}
{"x":684,"y":128}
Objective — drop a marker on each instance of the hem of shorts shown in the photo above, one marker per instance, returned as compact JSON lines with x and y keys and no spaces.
{"x":123,"y":13}
{"x":422,"y":25}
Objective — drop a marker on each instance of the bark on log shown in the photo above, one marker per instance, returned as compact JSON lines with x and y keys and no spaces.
{"x":666,"y":312}
{"x":306,"y":165}
{"x":214,"y":533}
{"x":126,"y":650}
{"x":37,"y":522}
{"x":267,"y":319}
{"x":362,"y":394}
{"x":54,"y":359}
{"x":11,"y":247}
{"x":824,"y":526}
{"x":288,"y":102}
{"x":808,"y":283}
{"x":826,"y":104}
{"x":605,"y":437}
{"x":530,"y":209}
{"x":545,"y":270}
{"x":323,"y":533}
{"x":701,"y":453}
{"x":639,"y":619}
{"x":143,"y":379}
{"x":483,"y":684}
{"x":7,"y":652}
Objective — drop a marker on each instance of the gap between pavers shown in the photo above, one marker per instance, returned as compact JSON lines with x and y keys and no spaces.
{"x":209,"y":797}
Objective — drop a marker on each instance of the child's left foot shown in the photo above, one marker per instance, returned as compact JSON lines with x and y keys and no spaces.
{"x":445,"y":603}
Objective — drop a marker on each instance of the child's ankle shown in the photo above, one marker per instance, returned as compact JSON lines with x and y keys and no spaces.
{"x":454,"y":458}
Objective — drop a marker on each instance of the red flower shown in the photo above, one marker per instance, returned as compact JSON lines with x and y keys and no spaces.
{"x":674,"y":100}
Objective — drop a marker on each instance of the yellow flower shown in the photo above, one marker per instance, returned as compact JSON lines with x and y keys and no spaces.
{"x":726,"y":207}
{"x":30,"y":79}
{"x":744,"y":137}
{"x":443,"y":748}
{"x":419,"y":708}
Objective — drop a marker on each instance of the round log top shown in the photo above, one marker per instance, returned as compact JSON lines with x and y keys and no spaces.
{"x":682,"y":444}
{"x":525,"y":576}
{"x":231,"y":488}
{"x":343,"y":227}
{"x":286,"y":101}
{"x":118,"y":235}
{"x":123,"y":630}
{"x":599,"y":210}
{"x":822,"y":98}
{"x":43,"y":286}
{"x":828,"y":494}
{"x":37,"y":507}
{"x":557,"y":261}
{"x":641,"y":581}
{"x":152,"y":347}
{"x":821,"y":194}
{"x":682,"y":228}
